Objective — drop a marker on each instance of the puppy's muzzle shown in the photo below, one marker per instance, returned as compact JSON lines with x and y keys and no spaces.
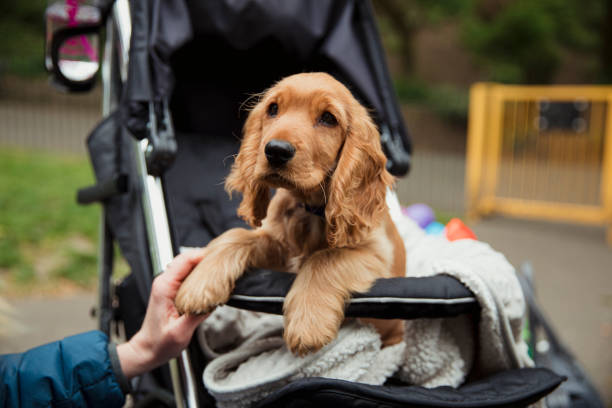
{"x":279,"y":152}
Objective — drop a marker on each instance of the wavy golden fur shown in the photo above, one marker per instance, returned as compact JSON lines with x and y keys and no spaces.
{"x":330,"y":158}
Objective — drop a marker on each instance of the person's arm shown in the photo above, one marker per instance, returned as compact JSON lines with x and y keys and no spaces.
{"x":75,"y":371}
{"x":164,"y":334}
{"x":84,"y":370}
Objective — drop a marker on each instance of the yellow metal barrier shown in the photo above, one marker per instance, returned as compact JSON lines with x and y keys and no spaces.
{"x":541,"y":151}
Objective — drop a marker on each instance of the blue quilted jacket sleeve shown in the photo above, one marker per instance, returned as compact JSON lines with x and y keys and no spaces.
{"x":73,"y":372}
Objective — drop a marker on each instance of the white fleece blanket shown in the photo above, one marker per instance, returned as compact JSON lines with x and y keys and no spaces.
{"x":255,"y":362}
{"x":444,"y":351}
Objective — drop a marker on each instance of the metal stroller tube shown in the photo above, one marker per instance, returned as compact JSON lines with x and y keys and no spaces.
{"x":158,"y":230}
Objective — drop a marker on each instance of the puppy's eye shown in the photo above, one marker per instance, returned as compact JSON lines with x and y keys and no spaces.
{"x":273,"y":109}
{"x":328,"y":119}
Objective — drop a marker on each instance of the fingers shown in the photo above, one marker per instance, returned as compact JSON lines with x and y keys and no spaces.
{"x":167,"y":283}
{"x":182,"y":265}
{"x":188,"y":323}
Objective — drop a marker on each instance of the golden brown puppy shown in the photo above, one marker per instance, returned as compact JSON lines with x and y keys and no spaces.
{"x":328,"y":222}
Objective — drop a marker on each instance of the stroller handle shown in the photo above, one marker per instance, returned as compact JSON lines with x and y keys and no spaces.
{"x":103,"y":190}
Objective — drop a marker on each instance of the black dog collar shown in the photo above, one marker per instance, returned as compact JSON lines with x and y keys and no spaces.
{"x":319,"y":211}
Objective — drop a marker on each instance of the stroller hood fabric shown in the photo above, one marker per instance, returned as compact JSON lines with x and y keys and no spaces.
{"x":435,"y":352}
{"x":338,"y":36}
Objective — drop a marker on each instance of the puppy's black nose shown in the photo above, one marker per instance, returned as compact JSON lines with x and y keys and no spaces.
{"x":279,"y":152}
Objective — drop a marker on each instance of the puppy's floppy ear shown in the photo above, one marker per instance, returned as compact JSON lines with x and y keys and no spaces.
{"x":255,"y":196}
{"x":359,"y":185}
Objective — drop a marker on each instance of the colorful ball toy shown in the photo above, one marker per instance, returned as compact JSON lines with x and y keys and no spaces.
{"x":422,"y":214}
{"x":425,"y":217}
{"x":456,"y":229}
{"x":434,"y":228}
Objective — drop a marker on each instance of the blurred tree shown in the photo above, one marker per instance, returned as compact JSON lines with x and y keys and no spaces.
{"x":27,"y":12}
{"x":516,"y":41}
{"x":400,"y":16}
{"x":22,"y":36}
{"x":605,"y":52}
{"x":406,"y":17}
{"x":521,"y":41}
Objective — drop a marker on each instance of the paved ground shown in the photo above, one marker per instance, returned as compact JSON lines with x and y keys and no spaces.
{"x":37,"y":320}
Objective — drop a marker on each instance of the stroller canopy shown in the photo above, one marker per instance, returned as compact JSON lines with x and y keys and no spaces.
{"x":212,"y":55}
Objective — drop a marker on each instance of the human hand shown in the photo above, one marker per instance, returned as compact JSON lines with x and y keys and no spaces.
{"x":164,"y":333}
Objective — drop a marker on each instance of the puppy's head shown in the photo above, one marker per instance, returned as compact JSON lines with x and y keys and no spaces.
{"x":309,"y":135}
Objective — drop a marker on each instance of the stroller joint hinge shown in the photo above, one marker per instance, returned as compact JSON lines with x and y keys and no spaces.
{"x":162,"y":147}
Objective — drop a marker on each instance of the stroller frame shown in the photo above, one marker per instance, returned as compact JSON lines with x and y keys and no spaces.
{"x":452,"y":299}
{"x":154,"y":206}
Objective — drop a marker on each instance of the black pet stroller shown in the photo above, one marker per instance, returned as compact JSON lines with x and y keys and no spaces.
{"x":175,"y":73}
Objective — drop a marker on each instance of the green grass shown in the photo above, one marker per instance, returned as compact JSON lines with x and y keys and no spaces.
{"x":44,"y":233}
{"x":80,"y":268}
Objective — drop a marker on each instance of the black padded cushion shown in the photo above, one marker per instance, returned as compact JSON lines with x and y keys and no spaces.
{"x":512,"y":388}
{"x":393,"y":298}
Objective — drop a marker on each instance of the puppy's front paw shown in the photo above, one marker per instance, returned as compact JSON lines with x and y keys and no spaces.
{"x":308,"y":329}
{"x":203,"y":290}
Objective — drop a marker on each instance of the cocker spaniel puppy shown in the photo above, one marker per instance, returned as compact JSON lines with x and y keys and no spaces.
{"x":328,"y":222}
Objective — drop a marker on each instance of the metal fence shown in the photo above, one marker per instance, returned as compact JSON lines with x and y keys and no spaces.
{"x":541,"y":152}
{"x":51,"y":127}
{"x":34,"y":115}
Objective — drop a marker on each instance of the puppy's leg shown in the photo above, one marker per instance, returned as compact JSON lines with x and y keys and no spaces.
{"x":225,"y":259}
{"x":392,"y":330}
{"x":314,"y":307}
